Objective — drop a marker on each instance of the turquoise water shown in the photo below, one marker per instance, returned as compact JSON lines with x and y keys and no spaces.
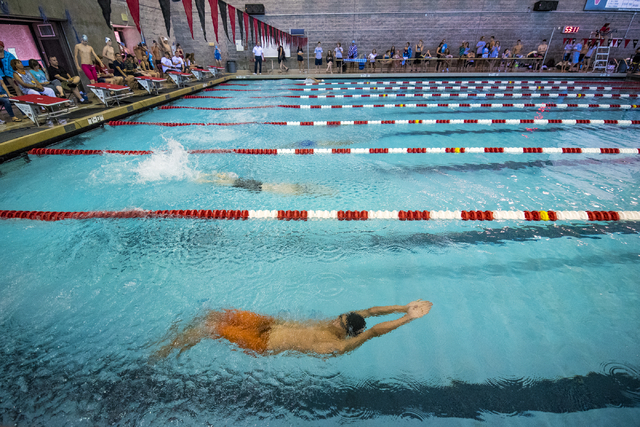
{"x":532,"y":323}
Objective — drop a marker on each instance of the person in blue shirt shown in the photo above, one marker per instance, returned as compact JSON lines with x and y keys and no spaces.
{"x":318,"y":51}
{"x":6,"y":71}
{"x":4,"y":101}
{"x":38,"y":73}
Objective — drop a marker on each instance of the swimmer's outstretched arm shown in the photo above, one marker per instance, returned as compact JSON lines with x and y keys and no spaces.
{"x":414,"y":311}
{"x":390,"y":309}
{"x":184,"y":341}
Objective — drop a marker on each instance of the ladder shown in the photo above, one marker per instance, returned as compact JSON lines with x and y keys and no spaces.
{"x":602,"y":58}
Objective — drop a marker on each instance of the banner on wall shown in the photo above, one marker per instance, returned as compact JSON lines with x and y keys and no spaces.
{"x":223,"y":14}
{"x":188,"y":9}
{"x":232,"y":21}
{"x":105,"y":5}
{"x":245,"y":19}
{"x":165,"y":7}
{"x":200,"y":8}
{"x":214,"y":16}
{"x":134,"y":9}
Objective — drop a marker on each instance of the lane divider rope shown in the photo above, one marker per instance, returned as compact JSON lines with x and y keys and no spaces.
{"x":308,"y":151}
{"x":460,"y":95}
{"x":438,"y":88}
{"x":494,"y":105}
{"x":396,"y":122}
{"x":205,"y":97}
{"x":444,"y":82}
{"x":341,"y":215}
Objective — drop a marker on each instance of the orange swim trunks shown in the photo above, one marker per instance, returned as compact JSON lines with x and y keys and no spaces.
{"x":248,"y":330}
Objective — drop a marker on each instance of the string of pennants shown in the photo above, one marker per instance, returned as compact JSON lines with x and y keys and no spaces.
{"x":241,"y":23}
{"x":601,"y":42}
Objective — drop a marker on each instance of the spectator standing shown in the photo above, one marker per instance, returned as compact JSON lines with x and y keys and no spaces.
{"x":589,"y":55}
{"x":418,"y":56}
{"x":300,"y":55}
{"x":480,"y":45}
{"x":318,"y":51}
{"x":258,"y":57}
{"x":517,"y":50}
{"x":155,"y":51}
{"x":442,"y":47}
{"x":282,"y":57}
{"x":353,"y":52}
{"x":406,"y":56}
{"x":218,"y":56}
{"x":4,"y":101}
{"x":567,"y":51}
{"x":330,"y":60}
{"x":576,"y":54}
{"x":492,"y":43}
{"x":27,"y":83}
{"x":339,"y":51}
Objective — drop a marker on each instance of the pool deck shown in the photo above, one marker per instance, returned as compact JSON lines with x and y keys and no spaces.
{"x":18,"y":138}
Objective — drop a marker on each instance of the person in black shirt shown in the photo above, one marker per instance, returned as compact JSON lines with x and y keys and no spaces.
{"x":119,"y":70}
{"x":68,"y":82}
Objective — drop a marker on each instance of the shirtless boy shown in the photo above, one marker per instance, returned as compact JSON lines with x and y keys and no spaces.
{"x":87,"y":55}
{"x":108,"y":53}
{"x":269,"y":335}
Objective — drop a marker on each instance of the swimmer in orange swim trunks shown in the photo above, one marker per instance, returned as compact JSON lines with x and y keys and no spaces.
{"x":262,"y":335}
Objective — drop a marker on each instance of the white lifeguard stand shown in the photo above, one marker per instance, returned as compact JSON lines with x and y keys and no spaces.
{"x":602,"y":58}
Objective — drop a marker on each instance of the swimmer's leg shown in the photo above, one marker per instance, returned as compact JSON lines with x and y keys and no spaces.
{"x":190,"y":336}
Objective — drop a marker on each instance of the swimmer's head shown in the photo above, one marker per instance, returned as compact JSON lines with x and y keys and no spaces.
{"x":353,"y":323}
{"x":85,"y":39}
{"x":107,"y":39}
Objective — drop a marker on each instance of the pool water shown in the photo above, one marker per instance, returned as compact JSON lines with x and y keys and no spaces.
{"x":532,"y":323}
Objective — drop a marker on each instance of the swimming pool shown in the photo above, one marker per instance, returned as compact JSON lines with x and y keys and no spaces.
{"x":532,"y":323}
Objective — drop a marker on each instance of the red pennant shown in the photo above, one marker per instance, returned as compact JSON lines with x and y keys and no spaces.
{"x":188,"y":9}
{"x":255,"y":30}
{"x":262,"y":32}
{"x":245,"y":18}
{"x":626,"y":42}
{"x":134,"y":9}
{"x":214,"y":16}
{"x":232,"y":20}
{"x":601,"y":42}
{"x":564,"y":41}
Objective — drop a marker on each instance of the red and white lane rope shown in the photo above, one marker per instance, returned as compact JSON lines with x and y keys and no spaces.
{"x":439,"y":88}
{"x":329,"y":107}
{"x":342,"y":215}
{"x":397,"y":122}
{"x":308,"y":151}
{"x":463,"y":95}
{"x":205,"y":97}
{"x":448,"y":82}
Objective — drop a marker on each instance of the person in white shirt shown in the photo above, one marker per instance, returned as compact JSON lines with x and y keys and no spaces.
{"x":167,"y":65}
{"x":372,"y":60}
{"x":178,"y":63}
{"x":259,"y":57}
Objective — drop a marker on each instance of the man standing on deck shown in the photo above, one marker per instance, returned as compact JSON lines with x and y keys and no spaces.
{"x":108,"y":53}
{"x":87,"y":55}
{"x":258,"y":57}
{"x":265,"y":334}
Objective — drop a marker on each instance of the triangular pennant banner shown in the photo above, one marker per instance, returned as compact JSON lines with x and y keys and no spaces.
{"x":105,"y":5}
{"x":626,"y":42}
{"x":240,"y":24}
{"x":200,"y":8}
{"x":564,"y":41}
{"x":134,"y":9}
{"x":223,"y":14}
{"x":214,"y":16}
{"x":262,"y":38}
{"x":188,"y":9}
{"x":165,"y":7}
{"x":635,"y":43}
{"x":245,"y":18}
{"x":232,"y":20}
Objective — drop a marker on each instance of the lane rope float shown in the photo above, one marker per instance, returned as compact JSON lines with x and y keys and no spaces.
{"x":205,"y":97}
{"x":444,"y":82}
{"x":309,"y":151}
{"x":461,"y":95}
{"x":341,"y":215}
{"x":397,"y":122}
{"x":338,"y":106}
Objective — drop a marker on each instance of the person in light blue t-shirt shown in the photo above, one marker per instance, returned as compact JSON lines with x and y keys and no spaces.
{"x":318,"y":51}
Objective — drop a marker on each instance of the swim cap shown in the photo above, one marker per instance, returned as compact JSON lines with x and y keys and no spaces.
{"x":85,"y":38}
{"x":353,"y":41}
{"x":107,"y":39}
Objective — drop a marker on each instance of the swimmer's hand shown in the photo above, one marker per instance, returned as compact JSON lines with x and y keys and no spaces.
{"x":418,"y":308}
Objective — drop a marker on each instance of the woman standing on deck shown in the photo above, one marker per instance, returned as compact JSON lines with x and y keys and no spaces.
{"x":282,"y":57}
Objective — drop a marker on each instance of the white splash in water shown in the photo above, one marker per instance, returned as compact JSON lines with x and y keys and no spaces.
{"x":170,"y":162}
